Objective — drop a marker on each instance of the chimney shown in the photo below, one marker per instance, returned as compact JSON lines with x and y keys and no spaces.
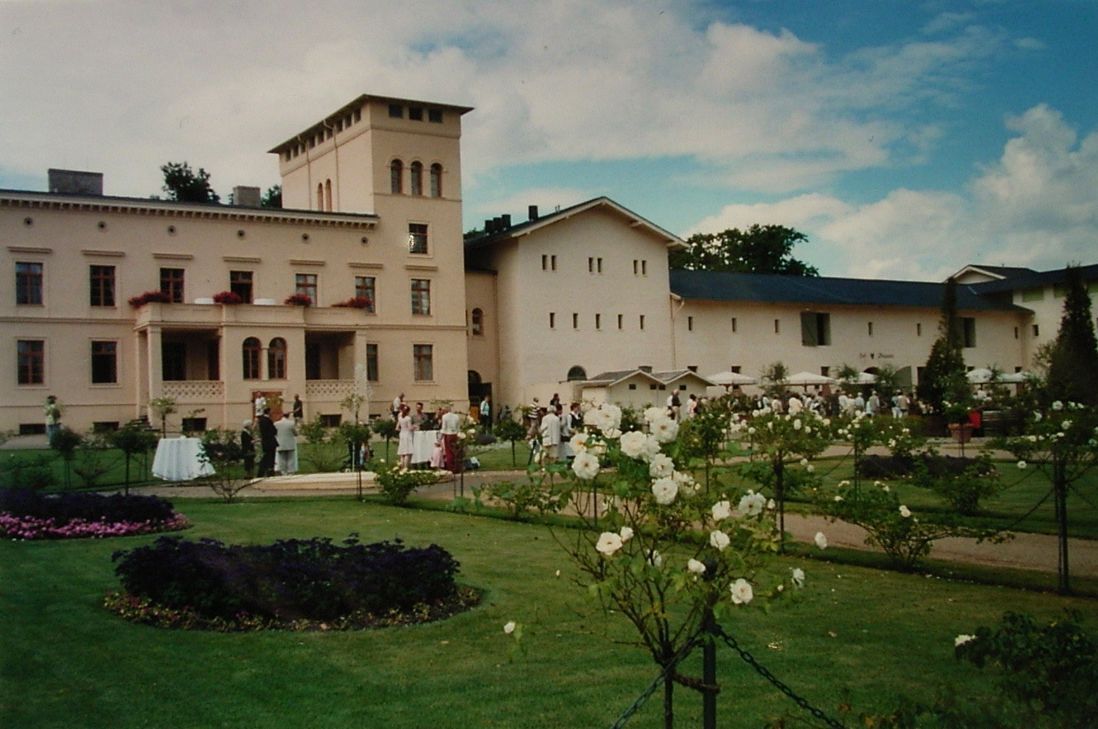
{"x":506,"y":221}
{"x":246,"y":197}
{"x":487,"y":226}
{"x":532,"y":212}
{"x":73,"y":182}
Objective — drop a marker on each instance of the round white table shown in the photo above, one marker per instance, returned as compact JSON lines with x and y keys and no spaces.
{"x":177,"y":459}
{"x":423,"y":444}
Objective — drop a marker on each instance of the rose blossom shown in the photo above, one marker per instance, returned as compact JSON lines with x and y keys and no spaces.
{"x":696,"y":567}
{"x":509,"y":627}
{"x":661,"y":466}
{"x":721,"y":510}
{"x":608,"y":543}
{"x":821,"y":540}
{"x":741,"y":591}
{"x":626,"y":534}
{"x":798,"y":577}
{"x":585,"y":466}
{"x":719,"y":540}
{"x":632,"y":443}
{"x":665,"y":490}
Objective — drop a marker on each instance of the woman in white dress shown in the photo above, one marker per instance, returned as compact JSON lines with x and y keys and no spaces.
{"x":406,"y":428}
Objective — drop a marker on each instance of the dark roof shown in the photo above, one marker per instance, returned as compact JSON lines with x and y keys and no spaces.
{"x":821,"y":291}
{"x":1003,"y":271}
{"x":1030,"y":279}
{"x":486,"y":239}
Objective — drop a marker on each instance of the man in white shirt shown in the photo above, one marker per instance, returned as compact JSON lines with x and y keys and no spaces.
{"x":287,"y":444}
{"x":450,"y":426}
{"x":550,"y":435}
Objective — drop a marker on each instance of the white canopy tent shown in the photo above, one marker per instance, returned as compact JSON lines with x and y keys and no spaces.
{"x":809,"y":378}
{"x":730,"y":378}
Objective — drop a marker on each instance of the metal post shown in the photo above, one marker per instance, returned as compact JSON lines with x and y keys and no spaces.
{"x":709,"y":672}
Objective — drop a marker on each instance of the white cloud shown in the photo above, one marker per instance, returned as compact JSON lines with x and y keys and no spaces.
{"x":1035,"y":206}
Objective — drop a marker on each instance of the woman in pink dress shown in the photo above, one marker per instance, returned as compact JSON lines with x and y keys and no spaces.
{"x":406,"y":428}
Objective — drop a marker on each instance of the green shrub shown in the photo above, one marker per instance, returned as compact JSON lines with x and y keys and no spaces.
{"x":396,"y":484}
{"x":26,"y":471}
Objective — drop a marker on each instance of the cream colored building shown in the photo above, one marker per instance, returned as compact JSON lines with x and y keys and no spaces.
{"x":372,"y":208}
{"x":578,"y":301}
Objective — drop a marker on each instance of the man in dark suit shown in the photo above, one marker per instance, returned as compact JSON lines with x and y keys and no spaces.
{"x":268,"y":442}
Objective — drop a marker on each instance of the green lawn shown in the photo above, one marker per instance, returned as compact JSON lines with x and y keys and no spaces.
{"x":856,"y":633}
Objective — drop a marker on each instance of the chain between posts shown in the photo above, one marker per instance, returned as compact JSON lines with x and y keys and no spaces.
{"x":775,"y":681}
{"x":656,"y":683}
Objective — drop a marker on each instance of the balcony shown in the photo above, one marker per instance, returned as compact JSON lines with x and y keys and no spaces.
{"x":194,"y":392}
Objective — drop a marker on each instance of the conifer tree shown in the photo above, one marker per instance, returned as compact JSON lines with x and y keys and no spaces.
{"x":1074,"y":361}
{"x":943,"y":378}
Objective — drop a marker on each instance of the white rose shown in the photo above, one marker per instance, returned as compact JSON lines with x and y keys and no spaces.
{"x":751,"y":504}
{"x":905,"y":512}
{"x":696,"y":567}
{"x":578,"y":442}
{"x":665,"y":490}
{"x":626,"y":534}
{"x":1057,"y":405}
{"x":961,"y":639}
{"x":608,"y":543}
{"x":665,"y":429}
{"x":509,"y":627}
{"x":661,"y":466}
{"x":741,"y":592}
{"x":721,"y":510}
{"x":632,"y":443}
{"x":821,"y":540}
{"x":585,"y":466}
{"x":719,"y":540}
{"x":1022,"y":465}
{"x":654,"y":413}
{"x":655,"y":558}
{"x":798,"y":577}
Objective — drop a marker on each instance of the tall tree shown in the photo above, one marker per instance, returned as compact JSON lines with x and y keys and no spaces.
{"x":1074,"y":358}
{"x":272,"y":198}
{"x":184,"y":185}
{"x":759,"y":249}
{"x":944,"y":378}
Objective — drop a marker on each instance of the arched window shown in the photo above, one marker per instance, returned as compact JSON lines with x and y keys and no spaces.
{"x":276,"y":359}
{"x":436,"y":180}
{"x":319,"y":196}
{"x":576,"y":373}
{"x":417,"y":178}
{"x":396,"y":177}
{"x":328,"y":195}
{"x":478,"y":323}
{"x":252,"y":350}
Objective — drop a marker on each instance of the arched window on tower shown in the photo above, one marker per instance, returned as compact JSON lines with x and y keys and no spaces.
{"x":328,"y":195}
{"x":576,"y":373}
{"x":477,"y":327}
{"x":319,"y":196}
{"x":416,"y":173}
{"x":251,"y":351}
{"x":436,"y":180}
{"x":396,"y":177}
{"x":276,"y":359}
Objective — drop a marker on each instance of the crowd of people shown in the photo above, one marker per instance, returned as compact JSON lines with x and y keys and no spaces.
{"x":277,"y":439}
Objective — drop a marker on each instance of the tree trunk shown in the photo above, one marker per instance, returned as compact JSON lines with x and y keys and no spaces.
{"x":668,"y":701}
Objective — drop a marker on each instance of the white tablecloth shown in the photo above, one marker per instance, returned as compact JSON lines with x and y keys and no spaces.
{"x":177,"y":460}
{"x":423,"y":443}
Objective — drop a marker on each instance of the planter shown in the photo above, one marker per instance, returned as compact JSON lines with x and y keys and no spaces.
{"x":961,"y":432}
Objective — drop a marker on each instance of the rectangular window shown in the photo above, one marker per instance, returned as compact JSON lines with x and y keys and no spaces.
{"x":918,"y":329}
{"x":552,"y":320}
{"x":825,"y":371}
{"x":590,"y":264}
{"x":104,"y":363}
{"x":621,"y":321}
{"x":644,"y":267}
{"x":366,"y":288}
{"x":421,"y":296}
{"x":371,"y":362}
{"x":102,"y":285}
{"x":968,"y":328}
{"x":31,"y":362}
{"x":417,"y":238}
{"x":689,"y":323}
{"x":636,"y":266}
{"x":240,"y":283}
{"x":599,"y":264}
{"x":544,"y":262}
{"x":575,"y":320}
{"x":777,"y":326}
{"x":28,"y":282}
{"x":642,"y":321}
{"x":1015,"y":332}
{"x":736,"y":368}
{"x":1036,"y":330}
{"x":553,"y":262}
{"x":415,"y":113}
{"x":434,"y":116}
{"x":733,"y":325}
{"x":305,"y":285}
{"x":423,"y":362}
{"x":598,"y":321}
{"x":171,"y":284}
{"x":396,"y":111}
{"x":815,"y":329}
{"x":869,"y":328}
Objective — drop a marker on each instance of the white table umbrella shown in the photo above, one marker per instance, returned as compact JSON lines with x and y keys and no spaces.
{"x":809,"y":378}
{"x":731,"y":378}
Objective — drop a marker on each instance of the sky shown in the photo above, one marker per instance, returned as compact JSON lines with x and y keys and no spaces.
{"x":906,"y":139}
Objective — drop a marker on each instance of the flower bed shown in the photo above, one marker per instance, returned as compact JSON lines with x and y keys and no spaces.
{"x":292,"y":585}
{"x":26,"y":514}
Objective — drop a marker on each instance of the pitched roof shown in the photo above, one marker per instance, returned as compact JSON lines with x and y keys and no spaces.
{"x":520,"y":229}
{"x":1033,"y":279}
{"x":823,"y":291}
{"x":996,"y":272}
{"x":613,"y":377}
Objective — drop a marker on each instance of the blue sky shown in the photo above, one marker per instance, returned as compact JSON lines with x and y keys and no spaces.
{"x":906,"y":139}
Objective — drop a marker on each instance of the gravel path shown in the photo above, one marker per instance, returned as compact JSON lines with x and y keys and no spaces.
{"x":1025,"y":551}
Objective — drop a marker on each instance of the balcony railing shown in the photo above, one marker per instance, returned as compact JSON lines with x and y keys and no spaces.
{"x":194,"y":391}
{"x":329,"y":390}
